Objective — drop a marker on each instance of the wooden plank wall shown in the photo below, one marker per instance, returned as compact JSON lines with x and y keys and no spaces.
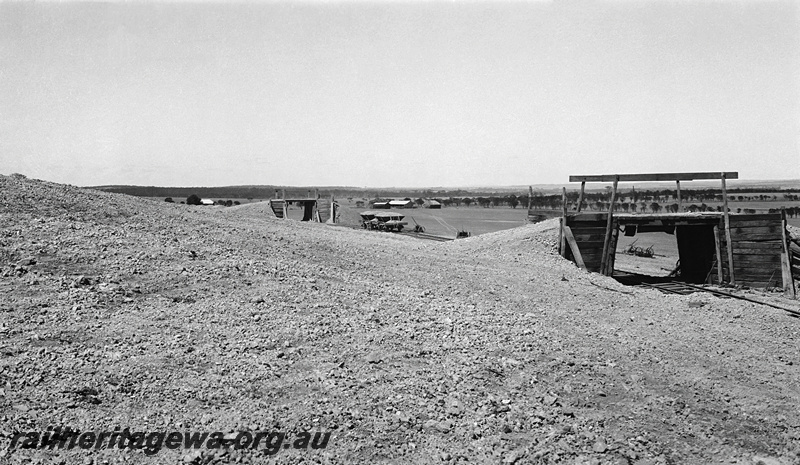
{"x":278,"y":207}
{"x":757,"y":246}
{"x":589,"y":236}
{"x":794,"y":251}
{"x":324,"y":209}
{"x":756,"y":242}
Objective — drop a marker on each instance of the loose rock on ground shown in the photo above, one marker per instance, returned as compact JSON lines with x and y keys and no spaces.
{"x":120,"y":311}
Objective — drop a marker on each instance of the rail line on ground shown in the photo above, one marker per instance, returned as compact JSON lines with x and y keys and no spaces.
{"x":675,"y":287}
{"x":424,"y":236}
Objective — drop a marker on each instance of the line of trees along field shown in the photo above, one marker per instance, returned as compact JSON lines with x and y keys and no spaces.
{"x":266,"y":192}
{"x":509,"y":200}
{"x":655,"y":201}
{"x":641,"y":202}
{"x":633,"y":201}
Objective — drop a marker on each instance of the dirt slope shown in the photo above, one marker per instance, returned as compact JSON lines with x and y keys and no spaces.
{"x":119,"y":311}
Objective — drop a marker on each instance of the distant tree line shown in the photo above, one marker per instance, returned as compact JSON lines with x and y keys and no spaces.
{"x":642,"y":201}
{"x":662,"y":201}
{"x":477,"y":197}
{"x":195,"y":199}
{"x":509,"y":200}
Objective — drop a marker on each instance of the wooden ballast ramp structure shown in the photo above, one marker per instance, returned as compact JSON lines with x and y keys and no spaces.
{"x":315,"y":208}
{"x":714,"y":247}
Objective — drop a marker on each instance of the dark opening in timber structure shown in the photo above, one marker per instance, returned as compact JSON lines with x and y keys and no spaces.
{"x":713,"y":247}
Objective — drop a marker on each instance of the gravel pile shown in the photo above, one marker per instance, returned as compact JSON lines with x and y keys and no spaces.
{"x":123,"y":312}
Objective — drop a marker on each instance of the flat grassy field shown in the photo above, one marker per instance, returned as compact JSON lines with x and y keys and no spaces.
{"x":478,"y":220}
{"x":449,"y":220}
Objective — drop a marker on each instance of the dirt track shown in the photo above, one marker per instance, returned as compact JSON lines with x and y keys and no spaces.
{"x":118,"y":311}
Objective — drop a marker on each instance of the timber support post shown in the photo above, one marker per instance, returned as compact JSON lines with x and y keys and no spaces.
{"x":727,"y":220}
{"x":573,"y":247}
{"x":580,"y":197}
{"x":332,"y":218}
{"x":680,"y":204}
{"x":562,"y":250}
{"x":604,"y":259}
{"x":786,"y":260}
{"x":720,"y":276}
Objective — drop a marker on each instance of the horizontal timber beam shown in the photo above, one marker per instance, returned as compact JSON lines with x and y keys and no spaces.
{"x":653,"y":177}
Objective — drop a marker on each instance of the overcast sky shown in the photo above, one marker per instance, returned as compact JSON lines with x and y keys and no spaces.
{"x":408,"y":93}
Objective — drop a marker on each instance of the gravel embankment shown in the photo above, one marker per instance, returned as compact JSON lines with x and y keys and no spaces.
{"x":119,"y":311}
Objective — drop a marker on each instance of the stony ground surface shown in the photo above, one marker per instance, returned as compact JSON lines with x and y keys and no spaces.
{"x":124,"y":312}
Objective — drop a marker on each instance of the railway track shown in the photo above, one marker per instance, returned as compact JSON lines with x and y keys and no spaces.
{"x":674,"y":287}
{"x":429,"y":237}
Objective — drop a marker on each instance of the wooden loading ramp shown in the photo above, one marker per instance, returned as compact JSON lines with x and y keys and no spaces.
{"x":315,"y":208}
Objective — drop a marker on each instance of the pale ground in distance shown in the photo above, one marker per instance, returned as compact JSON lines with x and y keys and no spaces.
{"x":478,"y":220}
{"x":490,"y":220}
{"x":448,"y":221}
{"x":120,"y":311}
{"x":665,"y":254}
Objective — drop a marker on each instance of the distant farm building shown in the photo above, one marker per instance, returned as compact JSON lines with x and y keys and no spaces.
{"x":401,"y":204}
{"x":380,"y":205}
{"x":206,"y":202}
{"x":431,"y":203}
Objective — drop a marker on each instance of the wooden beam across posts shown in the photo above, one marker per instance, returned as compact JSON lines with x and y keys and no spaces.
{"x":573,"y":246}
{"x":607,"y":241}
{"x":332,"y":217}
{"x":680,"y":204}
{"x":786,"y":264}
{"x":727,"y":228}
{"x":719,"y":255}
{"x":285,"y":205}
{"x":580,"y":197}
{"x":652,"y":177}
